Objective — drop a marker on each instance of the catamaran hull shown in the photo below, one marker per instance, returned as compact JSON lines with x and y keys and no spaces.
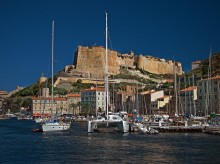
{"x":50,"y":127}
{"x":108,"y":126}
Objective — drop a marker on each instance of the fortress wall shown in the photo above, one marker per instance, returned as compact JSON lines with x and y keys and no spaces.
{"x":158,"y":66}
{"x":91,"y":61}
{"x":125,"y":61}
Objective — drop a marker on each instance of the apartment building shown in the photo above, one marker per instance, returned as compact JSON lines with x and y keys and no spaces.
{"x":208,"y":93}
{"x":73,"y":101}
{"x":41,"y":105}
{"x":188,"y":101}
{"x":94,"y":99}
{"x":148,"y":101}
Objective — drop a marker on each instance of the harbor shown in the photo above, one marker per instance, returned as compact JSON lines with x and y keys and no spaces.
{"x":113,"y":82}
{"x":78,"y":146}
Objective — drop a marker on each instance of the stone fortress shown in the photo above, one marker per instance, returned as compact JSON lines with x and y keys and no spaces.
{"x":89,"y":62}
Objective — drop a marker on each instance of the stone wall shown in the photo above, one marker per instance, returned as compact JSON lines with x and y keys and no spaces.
{"x":158,"y":66}
{"x":90,"y":61}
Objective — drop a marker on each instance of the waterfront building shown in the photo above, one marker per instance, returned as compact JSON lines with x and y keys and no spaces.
{"x":148,"y":101}
{"x":208,"y":93}
{"x":188,"y":100}
{"x":42,"y":105}
{"x":124,"y":101}
{"x":93,"y":99}
{"x":73,"y":101}
{"x":160,"y":105}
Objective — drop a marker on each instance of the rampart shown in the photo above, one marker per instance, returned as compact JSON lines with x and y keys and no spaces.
{"x":158,"y":66}
{"x":90,"y":62}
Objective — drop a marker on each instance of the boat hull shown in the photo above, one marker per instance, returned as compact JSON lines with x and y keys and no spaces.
{"x":38,"y":120}
{"x":108,"y":126}
{"x":55,"y":127}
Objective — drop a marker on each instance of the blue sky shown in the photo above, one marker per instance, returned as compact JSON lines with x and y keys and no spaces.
{"x":173,"y":29}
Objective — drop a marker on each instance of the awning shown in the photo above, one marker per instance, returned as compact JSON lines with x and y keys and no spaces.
{"x":39,"y":114}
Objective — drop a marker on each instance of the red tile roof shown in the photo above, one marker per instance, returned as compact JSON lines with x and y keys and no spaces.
{"x":49,"y":98}
{"x":93,"y":89}
{"x":163,"y":97}
{"x":212,"y":78}
{"x":189,"y":89}
{"x":73,"y":95}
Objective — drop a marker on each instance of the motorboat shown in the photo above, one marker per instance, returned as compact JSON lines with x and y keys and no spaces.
{"x":55,"y":126}
{"x":146,"y":129}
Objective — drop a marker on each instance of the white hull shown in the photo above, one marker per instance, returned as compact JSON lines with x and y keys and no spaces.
{"x":55,"y":127}
{"x":147,"y":129}
{"x":122,"y":126}
{"x":38,"y":120}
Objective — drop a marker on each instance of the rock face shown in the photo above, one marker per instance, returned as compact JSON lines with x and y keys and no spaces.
{"x":90,"y":62}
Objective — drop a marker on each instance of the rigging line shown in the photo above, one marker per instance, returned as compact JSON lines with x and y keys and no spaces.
{"x":110,"y":40}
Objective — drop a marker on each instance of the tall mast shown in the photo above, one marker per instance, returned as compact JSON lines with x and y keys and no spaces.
{"x":185,"y":94}
{"x":208,"y":87}
{"x":175,"y":89}
{"x":106,"y":66}
{"x":190,"y":98}
{"x":209,"y":81}
{"x":52,"y":65}
{"x":194,"y":104}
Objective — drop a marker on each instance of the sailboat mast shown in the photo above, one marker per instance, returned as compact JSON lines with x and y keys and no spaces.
{"x":194,"y":104}
{"x":52,"y":65}
{"x":175,"y":88}
{"x":106,"y":66}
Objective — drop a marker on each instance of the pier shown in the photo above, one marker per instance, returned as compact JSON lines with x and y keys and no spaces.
{"x":183,"y":129}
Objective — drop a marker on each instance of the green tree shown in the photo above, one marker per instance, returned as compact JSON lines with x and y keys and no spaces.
{"x":27,"y":102}
{"x":85,"y":108}
{"x":74,"y":106}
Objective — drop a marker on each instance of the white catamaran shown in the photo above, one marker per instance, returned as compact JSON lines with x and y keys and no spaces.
{"x":54,"y":124}
{"x":111,"y":122}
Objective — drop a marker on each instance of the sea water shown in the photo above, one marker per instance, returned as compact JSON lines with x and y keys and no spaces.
{"x":18,"y":144}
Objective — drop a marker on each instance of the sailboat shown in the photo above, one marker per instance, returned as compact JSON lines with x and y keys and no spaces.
{"x":40,"y":119}
{"x":54,"y":124}
{"x":112,"y":122}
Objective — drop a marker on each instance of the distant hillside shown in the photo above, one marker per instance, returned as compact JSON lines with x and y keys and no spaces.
{"x":202,"y":70}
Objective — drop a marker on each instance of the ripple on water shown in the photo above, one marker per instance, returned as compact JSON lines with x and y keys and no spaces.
{"x":19,"y":144}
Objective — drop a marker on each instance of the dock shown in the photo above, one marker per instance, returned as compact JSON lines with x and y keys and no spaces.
{"x":212,"y":130}
{"x":179,"y":129}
